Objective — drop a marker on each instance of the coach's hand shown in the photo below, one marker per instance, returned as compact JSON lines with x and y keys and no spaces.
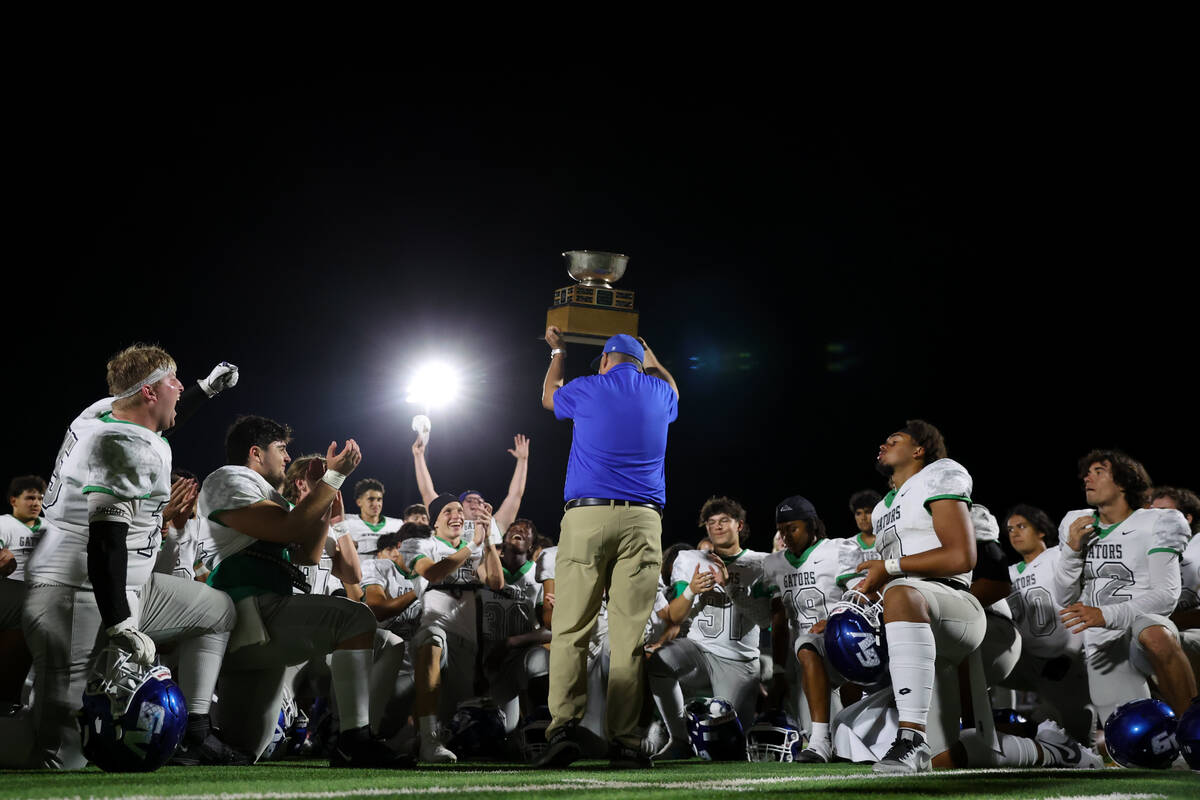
{"x":554,"y":337}
{"x":126,"y":636}
{"x":345,"y":461}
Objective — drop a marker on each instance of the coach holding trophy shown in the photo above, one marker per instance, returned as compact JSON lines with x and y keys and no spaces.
{"x":610,"y":537}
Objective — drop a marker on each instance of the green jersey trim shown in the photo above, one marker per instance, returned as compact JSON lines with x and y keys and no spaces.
{"x":1021,"y":567}
{"x":731,"y":559}
{"x":1105,"y":531}
{"x":964,"y":499}
{"x":510,"y":576}
{"x":887,"y":500}
{"x":412,"y":563}
{"x":680,"y":586}
{"x":108,"y":417}
{"x":840,"y":580}
{"x":796,"y":562}
{"x":863,"y":545}
{"x":378,"y":526}
{"x":102,"y":490}
{"x":461,"y":544}
{"x":1163,"y":550}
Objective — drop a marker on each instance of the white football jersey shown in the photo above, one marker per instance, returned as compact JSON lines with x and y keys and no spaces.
{"x":366,"y":534}
{"x":230,"y":488}
{"x":545,"y":564}
{"x":103,"y":454}
{"x":453,"y":610}
{"x":384,"y":573}
{"x":1116,"y":567}
{"x":808,"y":586}
{"x":320,"y":575}
{"x":718,"y":623}
{"x":902,"y":520}
{"x":1034,"y":611}
{"x":512,"y":610}
{"x":178,"y":555}
{"x":854,"y":554}
{"x":1189,"y":573}
{"x":20,"y":540}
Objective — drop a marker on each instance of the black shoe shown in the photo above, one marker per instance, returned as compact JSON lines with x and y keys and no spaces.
{"x":209,"y":752}
{"x":562,"y":749}
{"x":356,"y":749}
{"x":622,"y":756}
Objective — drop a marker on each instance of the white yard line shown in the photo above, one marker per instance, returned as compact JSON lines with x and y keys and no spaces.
{"x":585,"y":784}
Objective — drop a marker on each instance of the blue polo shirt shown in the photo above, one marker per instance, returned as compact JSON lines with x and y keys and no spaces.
{"x":620,"y":437}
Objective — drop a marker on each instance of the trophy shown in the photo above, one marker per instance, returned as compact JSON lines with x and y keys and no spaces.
{"x":592,"y":310}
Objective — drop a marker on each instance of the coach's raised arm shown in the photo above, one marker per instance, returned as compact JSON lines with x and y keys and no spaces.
{"x":610,"y":534}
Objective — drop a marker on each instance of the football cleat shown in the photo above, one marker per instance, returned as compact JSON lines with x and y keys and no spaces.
{"x":854,"y":639}
{"x":1141,"y":733}
{"x":133,"y":716}
{"x":1060,"y":750}
{"x":908,"y":755}
{"x":773,"y":737}
{"x":714,"y":730}
{"x":358,"y":749}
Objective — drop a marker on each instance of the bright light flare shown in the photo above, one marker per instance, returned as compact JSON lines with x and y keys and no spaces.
{"x":432,"y":385}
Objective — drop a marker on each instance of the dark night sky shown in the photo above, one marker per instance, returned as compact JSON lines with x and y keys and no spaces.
{"x":1004,"y":262}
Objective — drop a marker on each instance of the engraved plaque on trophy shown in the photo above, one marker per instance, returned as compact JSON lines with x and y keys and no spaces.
{"x":592,"y":310}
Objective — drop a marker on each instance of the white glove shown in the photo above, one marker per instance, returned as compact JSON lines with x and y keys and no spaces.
{"x":224,"y":376}
{"x":126,"y":636}
{"x":422,"y":425}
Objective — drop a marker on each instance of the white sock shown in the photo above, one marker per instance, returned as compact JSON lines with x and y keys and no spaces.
{"x":911,"y":655}
{"x":428,"y":727}
{"x":1017,"y":751}
{"x":200,"y":660}
{"x":668,"y":697}
{"x":350,"y":671}
{"x":820,"y":737}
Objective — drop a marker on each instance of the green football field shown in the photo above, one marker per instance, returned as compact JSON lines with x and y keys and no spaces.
{"x":689,"y":779}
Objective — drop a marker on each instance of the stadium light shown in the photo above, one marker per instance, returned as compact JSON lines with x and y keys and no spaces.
{"x":433,"y":385}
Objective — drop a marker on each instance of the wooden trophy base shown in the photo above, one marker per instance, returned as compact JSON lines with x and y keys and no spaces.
{"x":586,"y":324}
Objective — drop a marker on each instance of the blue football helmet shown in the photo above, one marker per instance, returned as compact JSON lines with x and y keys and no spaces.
{"x":281,"y":738}
{"x":1141,"y":733}
{"x":529,"y":739}
{"x":133,"y":717}
{"x":854,"y":639}
{"x":477,"y":730}
{"x":773,"y":737}
{"x":714,"y":730}
{"x":1187,"y":735}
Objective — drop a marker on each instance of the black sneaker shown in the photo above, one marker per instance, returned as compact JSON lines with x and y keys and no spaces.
{"x":908,"y":755}
{"x":622,"y":756}
{"x":209,"y":752}
{"x":561,"y":750}
{"x":357,"y":749}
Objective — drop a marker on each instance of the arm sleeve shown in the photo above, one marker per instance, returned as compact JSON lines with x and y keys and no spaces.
{"x":1161,"y":599}
{"x":107,"y":554}
{"x":189,"y":403}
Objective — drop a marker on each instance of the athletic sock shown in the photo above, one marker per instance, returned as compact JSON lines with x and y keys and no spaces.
{"x":819,"y":740}
{"x":1017,"y":751}
{"x":427,"y":726}
{"x":200,"y":660}
{"x":668,"y":698}
{"x":198,"y":727}
{"x":911,"y":655}
{"x":350,"y":671}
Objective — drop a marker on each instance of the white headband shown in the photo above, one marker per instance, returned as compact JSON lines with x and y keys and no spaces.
{"x":152,"y":378}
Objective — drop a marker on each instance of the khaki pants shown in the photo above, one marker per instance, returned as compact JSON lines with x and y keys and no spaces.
{"x":617,"y":548}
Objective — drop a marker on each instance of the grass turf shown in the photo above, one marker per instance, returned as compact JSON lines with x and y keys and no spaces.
{"x":592,"y":779}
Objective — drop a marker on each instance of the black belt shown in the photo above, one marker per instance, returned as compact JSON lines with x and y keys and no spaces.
{"x":604,"y":501}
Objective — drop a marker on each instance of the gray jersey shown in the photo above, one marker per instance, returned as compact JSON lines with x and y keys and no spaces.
{"x":858,"y":552}
{"x":1034,"y":611}
{"x":512,"y":610}
{"x":720,"y":619}
{"x":366,"y":534}
{"x":394,"y":582}
{"x":20,"y":540}
{"x":902,"y":520}
{"x":102,"y":454}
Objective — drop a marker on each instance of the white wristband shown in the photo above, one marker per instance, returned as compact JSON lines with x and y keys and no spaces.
{"x":333,"y":478}
{"x":688,"y":594}
{"x":557,"y":351}
{"x":892,"y":566}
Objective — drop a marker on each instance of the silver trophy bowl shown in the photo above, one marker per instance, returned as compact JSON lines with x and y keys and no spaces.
{"x":595,"y":268}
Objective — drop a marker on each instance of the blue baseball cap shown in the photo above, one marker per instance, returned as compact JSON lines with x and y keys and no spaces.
{"x":621,"y":343}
